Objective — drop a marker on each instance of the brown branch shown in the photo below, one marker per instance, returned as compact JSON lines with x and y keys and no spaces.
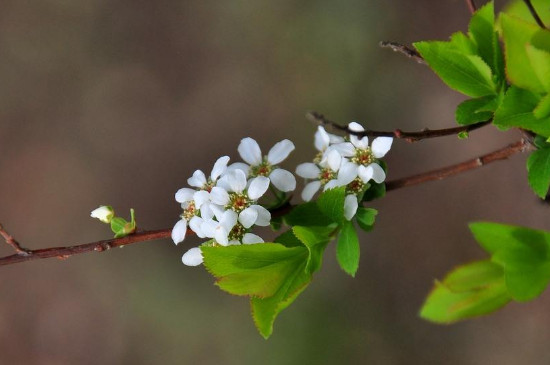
{"x":320,"y":119}
{"x":401,"y":48}
{"x":442,"y":173}
{"x":471,"y":6}
{"x":534,"y":13}
{"x":13,"y":243}
{"x":100,"y":246}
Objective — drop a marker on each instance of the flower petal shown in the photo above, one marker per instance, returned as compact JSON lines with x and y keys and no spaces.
{"x":237,"y":181}
{"x":208,"y":227}
{"x":193,"y":257}
{"x":179,"y":231}
{"x":220,"y":235}
{"x":283,"y":180}
{"x":308,"y":170}
{"x":280,"y":151}
{"x":264,"y":216}
{"x":206,"y":211}
{"x":335,"y":139}
{"x":380,"y":146}
{"x":322,"y":139}
{"x":355,"y":127}
{"x":184,"y":195}
{"x":347,"y":173}
{"x":345,"y":149}
{"x":251,"y":238}
{"x":350,"y":206}
{"x":358,"y":142}
{"x":333,"y":160}
{"x":332,"y":184}
{"x":310,"y":190}
{"x":219,"y":167}
{"x":239,"y":166}
{"x":258,"y":187}
{"x":365,"y":173}
{"x":195,"y":224}
{"x":197,"y":180}
{"x":219,"y":196}
{"x":218,"y":210}
{"x":250,"y":151}
{"x":248,"y":217}
{"x":228,"y":220}
{"x":201,"y":197}
{"x":378,"y":174}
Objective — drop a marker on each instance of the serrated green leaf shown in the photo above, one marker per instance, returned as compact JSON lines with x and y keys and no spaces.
{"x":473,"y":276}
{"x":487,"y":293}
{"x":538,"y":171}
{"x":307,"y":214}
{"x":518,"y":9}
{"x":347,"y":249}
{"x":468,"y":74}
{"x":288,"y":239}
{"x":542,"y":110}
{"x":316,"y":240}
{"x":331,"y":204}
{"x":254,"y":270}
{"x":468,"y":112}
{"x":517,"y":34}
{"x":461,"y":43}
{"x":516,"y":110}
{"x":482,"y":31}
{"x":366,"y":217}
{"x":540,"y":62}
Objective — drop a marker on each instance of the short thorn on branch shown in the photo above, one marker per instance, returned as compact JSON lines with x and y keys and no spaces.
{"x":320,"y":119}
{"x":13,"y":243}
{"x":401,"y":48}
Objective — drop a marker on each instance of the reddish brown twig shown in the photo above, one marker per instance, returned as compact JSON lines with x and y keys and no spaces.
{"x":23,"y":252}
{"x":471,"y":6}
{"x":401,"y":48}
{"x":100,"y":246}
{"x":320,"y":119}
{"x":439,"y":174}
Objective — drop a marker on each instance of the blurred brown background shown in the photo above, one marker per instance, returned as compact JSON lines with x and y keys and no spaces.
{"x":117,"y":102}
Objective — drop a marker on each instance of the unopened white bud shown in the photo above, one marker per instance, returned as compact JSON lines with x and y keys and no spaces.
{"x":104,"y":213}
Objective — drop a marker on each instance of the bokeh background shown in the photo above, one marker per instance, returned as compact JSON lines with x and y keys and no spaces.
{"x":118,"y":102}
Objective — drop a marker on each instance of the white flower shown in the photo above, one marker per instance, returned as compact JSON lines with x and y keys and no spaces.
{"x":323,"y":139}
{"x":324,"y":174}
{"x":104,"y":213}
{"x":199,"y":180}
{"x":179,"y":231}
{"x":350,"y":206}
{"x":266,"y":166}
{"x":193,"y":257}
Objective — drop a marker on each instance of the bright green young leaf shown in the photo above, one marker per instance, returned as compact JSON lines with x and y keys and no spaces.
{"x":347,"y":249}
{"x":468,"y":112}
{"x":482,"y":31}
{"x":331,"y":203}
{"x":538,"y":171}
{"x":540,"y":62}
{"x":307,"y":214}
{"x":516,"y":110}
{"x":518,"y":9}
{"x":468,"y":74}
{"x":463,"y":44}
{"x":468,"y":291}
{"x":255,"y":270}
{"x":266,"y":310}
{"x":543,"y":108}
{"x":316,"y":240}
{"x":541,"y":40}
{"x":517,"y":34}
{"x":366,"y":217}
{"x":288,"y":239}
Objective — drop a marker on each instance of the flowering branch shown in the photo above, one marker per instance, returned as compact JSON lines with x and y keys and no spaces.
{"x":401,"y":48}
{"x":320,"y":119}
{"x":23,"y":255}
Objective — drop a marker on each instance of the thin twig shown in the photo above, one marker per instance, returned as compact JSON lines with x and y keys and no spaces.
{"x":320,"y":119}
{"x":13,"y":243}
{"x":534,"y":13}
{"x":401,"y":48}
{"x":471,"y":6}
{"x":442,"y":173}
{"x":100,"y":246}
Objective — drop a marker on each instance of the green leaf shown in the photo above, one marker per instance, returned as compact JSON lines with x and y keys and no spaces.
{"x":538,"y":171}
{"x":468,"y":291}
{"x":541,"y":39}
{"x":316,"y":240}
{"x":331,"y":203}
{"x":542,"y":110}
{"x":375,"y":191}
{"x":482,"y":31}
{"x":288,"y":239}
{"x":516,"y":110}
{"x":468,"y":74}
{"x":517,"y":34}
{"x":366,"y":217}
{"x":307,"y":214}
{"x":347,"y":249}
{"x":523,"y":253}
{"x":266,"y":310}
{"x":468,"y":112}
{"x":256,"y":270}
{"x":518,"y":9}
{"x":461,"y":43}
{"x":540,"y":62}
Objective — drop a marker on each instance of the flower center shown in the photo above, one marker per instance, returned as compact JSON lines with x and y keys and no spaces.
{"x":363,"y":156}
{"x":356,"y":186}
{"x":237,"y":232}
{"x":238,"y":202}
{"x":318,"y":157}
{"x":189,"y":212}
{"x":263,"y":169}
{"x":209,"y":185}
{"x":326,"y":175}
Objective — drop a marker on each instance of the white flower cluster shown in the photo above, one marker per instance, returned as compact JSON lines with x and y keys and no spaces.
{"x":349,"y":162}
{"x":224,"y":207}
